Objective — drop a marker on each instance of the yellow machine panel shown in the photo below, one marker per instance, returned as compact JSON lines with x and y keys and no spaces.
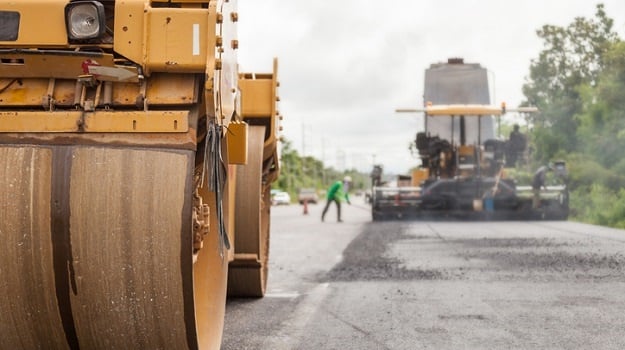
{"x":32,"y":15}
{"x":257,"y":95}
{"x":237,"y":143}
{"x":39,"y":122}
{"x":129,"y":33}
{"x":466,"y":110}
{"x":151,"y":121}
{"x":176,"y":40}
{"x":419,"y":175}
{"x":259,"y":106}
{"x":32,"y":64}
{"x":143,"y":122}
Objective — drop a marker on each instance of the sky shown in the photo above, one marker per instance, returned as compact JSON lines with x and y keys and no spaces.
{"x":346,"y":65}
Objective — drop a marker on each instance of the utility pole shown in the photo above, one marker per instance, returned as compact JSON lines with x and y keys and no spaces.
{"x":304,"y":141}
{"x":323,"y":161}
{"x":340,"y":160}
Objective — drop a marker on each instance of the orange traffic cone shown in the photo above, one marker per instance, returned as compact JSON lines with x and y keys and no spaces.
{"x":305,"y":207}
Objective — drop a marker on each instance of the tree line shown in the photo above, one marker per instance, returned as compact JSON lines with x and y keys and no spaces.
{"x":297,"y":172}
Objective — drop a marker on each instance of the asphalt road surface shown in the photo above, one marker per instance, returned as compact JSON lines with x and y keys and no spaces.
{"x":433,"y":285}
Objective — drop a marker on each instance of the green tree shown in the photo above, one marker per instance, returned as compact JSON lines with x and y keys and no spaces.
{"x":600,"y":205}
{"x":290,"y":169}
{"x":578,"y":83}
{"x":572,"y":57}
{"x":602,"y":122}
{"x":598,"y":171}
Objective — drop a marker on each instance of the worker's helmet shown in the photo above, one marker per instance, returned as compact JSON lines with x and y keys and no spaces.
{"x":347,"y":179}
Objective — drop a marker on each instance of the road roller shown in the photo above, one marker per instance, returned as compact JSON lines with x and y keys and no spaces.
{"x":135,"y":169}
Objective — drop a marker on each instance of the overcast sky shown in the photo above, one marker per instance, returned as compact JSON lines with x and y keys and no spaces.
{"x":346,"y":65}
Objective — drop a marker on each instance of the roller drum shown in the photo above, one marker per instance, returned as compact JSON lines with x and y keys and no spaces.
{"x":97,"y":251}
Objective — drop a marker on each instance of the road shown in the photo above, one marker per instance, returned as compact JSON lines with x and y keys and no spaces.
{"x":434,"y":285}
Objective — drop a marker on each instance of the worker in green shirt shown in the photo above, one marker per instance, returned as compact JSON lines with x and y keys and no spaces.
{"x":337,"y":193}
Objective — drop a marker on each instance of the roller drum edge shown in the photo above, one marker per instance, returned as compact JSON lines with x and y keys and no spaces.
{"x":247,"y":275}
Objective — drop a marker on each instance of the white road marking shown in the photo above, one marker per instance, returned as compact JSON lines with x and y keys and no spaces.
{"x":283,"y":295}
{"x":290,"y":335}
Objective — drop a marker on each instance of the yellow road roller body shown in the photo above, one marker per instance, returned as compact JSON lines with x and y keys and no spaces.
{"x":131,"y":179}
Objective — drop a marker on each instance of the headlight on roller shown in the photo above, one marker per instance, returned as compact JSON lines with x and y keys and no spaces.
{"x":84,"y":20}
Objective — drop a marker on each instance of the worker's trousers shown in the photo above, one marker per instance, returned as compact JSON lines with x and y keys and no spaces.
{"x":338,"y":209}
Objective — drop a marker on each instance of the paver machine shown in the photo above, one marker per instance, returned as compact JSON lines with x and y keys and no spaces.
{"x":464,"y":170}
{"x":135,"y":167}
